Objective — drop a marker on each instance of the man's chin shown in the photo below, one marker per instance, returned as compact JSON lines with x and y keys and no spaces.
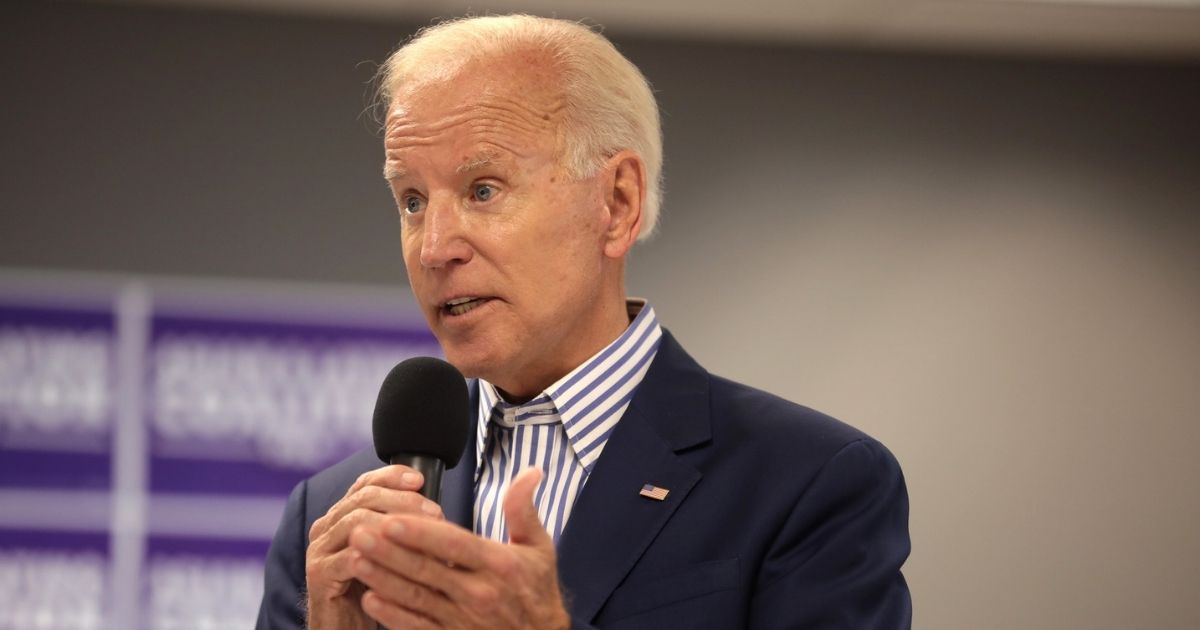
{"x":471,"y":363}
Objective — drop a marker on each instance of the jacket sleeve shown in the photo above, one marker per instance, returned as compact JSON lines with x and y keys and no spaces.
{"x":282,"y":605}
{"x":836,"y":561}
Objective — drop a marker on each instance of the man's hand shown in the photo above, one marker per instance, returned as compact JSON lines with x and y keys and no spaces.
{"x":422,"y":573}
{"x":333,"y":594}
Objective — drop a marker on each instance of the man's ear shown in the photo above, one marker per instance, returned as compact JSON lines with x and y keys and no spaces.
{"x":625,"y":193}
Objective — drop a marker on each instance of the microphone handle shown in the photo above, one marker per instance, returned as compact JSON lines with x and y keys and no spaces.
{"x":430,"y":468}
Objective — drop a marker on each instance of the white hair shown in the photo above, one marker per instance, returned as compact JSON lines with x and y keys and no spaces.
{"x":610,"y":106}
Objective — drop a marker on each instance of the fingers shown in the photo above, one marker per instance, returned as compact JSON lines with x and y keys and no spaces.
{"x":393,"y":616}
{"x":458,"y":547}
{"x":445,"y":542}
{"x":399,"y":590}
{"x":430,"y":586}
{"x":425,"y":573}
{"x":377,"y":485}
{"x":331,"y":574}
{"x":415,"y":566}
{"x":371,"y":504}
{"x":385,"y":490}
{"x":524,"y":525}
{"x":396,"y":477}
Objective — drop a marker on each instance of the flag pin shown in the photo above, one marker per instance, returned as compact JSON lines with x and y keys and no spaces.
{"x":654,"y":492}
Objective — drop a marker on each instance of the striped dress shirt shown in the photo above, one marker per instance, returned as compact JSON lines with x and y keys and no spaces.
{"x":562,"y":431}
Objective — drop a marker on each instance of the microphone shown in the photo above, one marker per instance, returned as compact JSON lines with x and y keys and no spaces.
{"x":421,"y":419}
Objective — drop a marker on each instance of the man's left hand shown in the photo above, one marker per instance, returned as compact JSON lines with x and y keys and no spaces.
{"x":423,"y":573}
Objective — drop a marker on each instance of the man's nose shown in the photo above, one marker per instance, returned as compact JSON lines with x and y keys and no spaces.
{"x":444,"y":241}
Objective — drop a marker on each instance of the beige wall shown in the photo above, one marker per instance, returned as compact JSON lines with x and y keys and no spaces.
{"x":1031,"y":361}
{"x":989,"y":264}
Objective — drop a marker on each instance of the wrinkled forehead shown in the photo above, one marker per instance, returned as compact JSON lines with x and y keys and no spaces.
{"x":523,"y":81}
{"x":510,"y":107}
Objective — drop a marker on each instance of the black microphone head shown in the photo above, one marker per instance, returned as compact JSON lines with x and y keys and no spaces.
{"x":423,"y":408}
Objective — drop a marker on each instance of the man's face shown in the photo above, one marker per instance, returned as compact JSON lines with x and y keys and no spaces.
{"x":504,"y":249}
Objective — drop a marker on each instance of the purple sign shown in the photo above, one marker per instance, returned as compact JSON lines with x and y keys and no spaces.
{"x":148,"y":439}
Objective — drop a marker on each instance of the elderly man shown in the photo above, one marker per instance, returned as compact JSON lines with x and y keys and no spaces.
{"x":611,"y":481}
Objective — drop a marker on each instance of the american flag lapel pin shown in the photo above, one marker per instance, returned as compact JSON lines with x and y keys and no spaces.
{"x":651,"y":491}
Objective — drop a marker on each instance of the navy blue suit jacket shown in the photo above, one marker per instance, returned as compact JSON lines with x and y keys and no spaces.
{"x":777,"y":516}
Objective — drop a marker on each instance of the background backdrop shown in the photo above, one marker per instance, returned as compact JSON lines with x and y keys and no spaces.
{"x":989,"y":261}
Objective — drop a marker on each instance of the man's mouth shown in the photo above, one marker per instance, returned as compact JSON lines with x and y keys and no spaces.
{"x":460,"y":306}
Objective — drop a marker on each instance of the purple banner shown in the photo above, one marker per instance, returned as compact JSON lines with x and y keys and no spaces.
{"x":42,"y":469}
{"x":56,"y":379}
{"x":53,"y":580}
{"x":147,"y":449}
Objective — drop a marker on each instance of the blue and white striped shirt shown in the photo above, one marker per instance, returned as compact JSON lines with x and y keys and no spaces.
{"x":562,"y":431}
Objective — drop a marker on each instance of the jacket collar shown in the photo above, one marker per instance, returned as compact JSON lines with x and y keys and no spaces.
{"x":611,"y":525}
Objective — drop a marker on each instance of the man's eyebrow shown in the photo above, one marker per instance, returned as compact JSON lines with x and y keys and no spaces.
{"x":483,"y":160}
{"x":392,"y":171}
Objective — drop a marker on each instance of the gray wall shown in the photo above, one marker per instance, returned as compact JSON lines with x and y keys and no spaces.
{"x":990,"y":264}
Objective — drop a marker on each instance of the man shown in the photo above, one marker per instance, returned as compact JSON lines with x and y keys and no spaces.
{"x":524,"y":155}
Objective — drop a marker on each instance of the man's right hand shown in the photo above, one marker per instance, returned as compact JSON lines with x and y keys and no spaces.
{"x":334,"y":595}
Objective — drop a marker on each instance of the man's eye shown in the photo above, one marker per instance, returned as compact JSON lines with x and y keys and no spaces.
{"x":413,"y":204}
{"x":483,"y":192}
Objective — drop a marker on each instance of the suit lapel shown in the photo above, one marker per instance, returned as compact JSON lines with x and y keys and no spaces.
{"x":611,"y":525}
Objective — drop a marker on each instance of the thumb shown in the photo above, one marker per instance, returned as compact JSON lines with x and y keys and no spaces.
{"x":524,"y":525}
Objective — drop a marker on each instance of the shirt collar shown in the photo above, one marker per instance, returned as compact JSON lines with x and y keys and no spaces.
{"x":571,"y":397}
